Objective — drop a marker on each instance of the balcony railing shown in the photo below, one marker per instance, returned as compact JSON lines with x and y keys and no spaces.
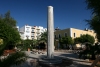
{"x":33,"y":28}
{"x":32,"y":36}
{"x":32,"y":32}
{"x":38,"y":29}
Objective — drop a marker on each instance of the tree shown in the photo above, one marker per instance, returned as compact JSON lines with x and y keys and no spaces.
{"x":94,"y":22}
{"x":25,"y":44}
{"x":87,"y":38}
{"x":43,"y":37}
{"x":42,"y":41}
{"x":95,"y":25}
{"x":94,"y":5}
{"x":77,"y":40}
{"x":66,"y":40}
{"x":9,"y":20}
{"x":90,"y":49}
{"x":9,"y":36}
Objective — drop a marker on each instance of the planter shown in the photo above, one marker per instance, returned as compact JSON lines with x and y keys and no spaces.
{"x":6,"y":52}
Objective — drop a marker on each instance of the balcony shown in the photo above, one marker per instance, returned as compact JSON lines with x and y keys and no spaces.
{"x":33,"y":28}
{"x":32,"y":35}
{"x":21,"y":32}
{"x":32,"y":32}
{"x":38,"y":28}
{"x":38,"y":32}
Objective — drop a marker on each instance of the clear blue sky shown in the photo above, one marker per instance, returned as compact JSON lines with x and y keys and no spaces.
{"x":67,"y":13}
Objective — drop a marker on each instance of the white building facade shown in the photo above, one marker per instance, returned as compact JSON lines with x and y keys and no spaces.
{"x":31,"y":32}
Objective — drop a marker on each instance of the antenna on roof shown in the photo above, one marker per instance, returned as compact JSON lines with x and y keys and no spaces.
{"x":86,"y":29}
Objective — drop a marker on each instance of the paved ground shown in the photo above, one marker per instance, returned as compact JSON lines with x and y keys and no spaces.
{"x":74,"y":57}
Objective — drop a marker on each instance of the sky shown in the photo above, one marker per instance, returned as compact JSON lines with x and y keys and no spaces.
{"x":67,"y":13}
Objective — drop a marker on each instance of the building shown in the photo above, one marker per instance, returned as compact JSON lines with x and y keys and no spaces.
{"x":72,"y":32}
{"x":31,"y":32}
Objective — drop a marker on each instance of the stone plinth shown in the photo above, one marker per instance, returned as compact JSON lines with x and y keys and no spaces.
{"x":58,"y":62}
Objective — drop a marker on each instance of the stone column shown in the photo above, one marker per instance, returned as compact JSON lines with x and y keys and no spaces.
{"x":50,"y":30}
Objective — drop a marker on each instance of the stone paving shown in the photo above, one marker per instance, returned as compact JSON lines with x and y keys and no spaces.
{"x":74,"y":57}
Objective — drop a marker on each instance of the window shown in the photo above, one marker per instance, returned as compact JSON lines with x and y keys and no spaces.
{"x":27,"y":36}
{"x":55,"y":37}
{"x":32,"y":34}
{"x":74,"y":35}
{"x":59,"y":36}
{"x":27,"y":31}
{"x":65,"y":34}
{"x":32,"y":31}
{"x":27,"y":27}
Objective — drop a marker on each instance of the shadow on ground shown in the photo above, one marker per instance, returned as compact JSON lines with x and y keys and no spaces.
{"x":70,"y":56}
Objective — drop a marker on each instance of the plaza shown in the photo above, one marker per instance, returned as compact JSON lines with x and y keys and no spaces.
{"x":71,"y":56}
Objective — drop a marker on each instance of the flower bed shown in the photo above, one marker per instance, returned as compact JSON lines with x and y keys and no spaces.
{"x":7,"y":52}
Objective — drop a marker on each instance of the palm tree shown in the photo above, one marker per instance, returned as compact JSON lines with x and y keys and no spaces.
{"x":43,"y":40}
{"x":94,"y":23}
{"x":43,"y":37}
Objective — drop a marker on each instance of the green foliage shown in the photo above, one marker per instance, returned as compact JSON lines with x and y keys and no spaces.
{"x":35,"y":42}
{"x":28,"y":41}
{"x":43,"y":37}
{"x":66,"y":40}
{"x":10,"y":37}
{"x":7,"y":29}
{"x":77,"y":40}
{"x":84,"y":39}
{"x":25,"y":44}
{"x":15,"y":58}
{"x":87,"y":38}
{"x":94,"y":5}
{"x":9,"y":20}
{"x":8,"y":34}
{"x":94,"y":22}
{"x":90,"y":51}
